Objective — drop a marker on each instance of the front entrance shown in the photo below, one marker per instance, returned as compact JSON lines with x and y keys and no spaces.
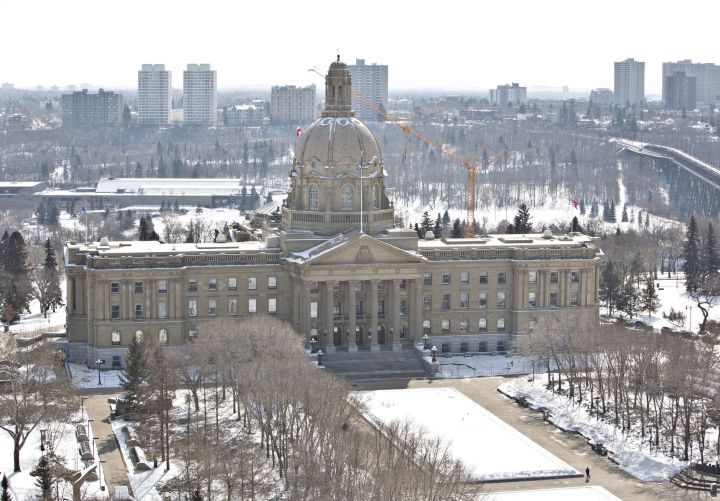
{"x":337,"y":336}
{"x":381,"y":334}
{"x":359,"y":337}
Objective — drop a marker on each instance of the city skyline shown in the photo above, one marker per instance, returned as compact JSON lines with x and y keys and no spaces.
{"x":546,"y":44}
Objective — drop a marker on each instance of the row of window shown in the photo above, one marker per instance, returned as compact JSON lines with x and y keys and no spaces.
{"x":346,"y":197}
{"x":116,"y":337}
{"x":212,"y":308}
{"x":192,"y":285}
{"x":464,"y":325}
{"x":553,"y":300}
{"x":483,"y":277}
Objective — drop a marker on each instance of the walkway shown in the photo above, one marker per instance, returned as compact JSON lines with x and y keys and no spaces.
{"x":114,"y":470}
{"x":571,"y":448}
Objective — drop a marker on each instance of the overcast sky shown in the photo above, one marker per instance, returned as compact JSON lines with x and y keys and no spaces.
{"x":451,"y":44}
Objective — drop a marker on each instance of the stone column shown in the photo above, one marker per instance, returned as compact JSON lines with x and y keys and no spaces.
{"x":416,"y":311}
{"x":128,"y":310}
{"x":562,"y":278}
{"x":395,"y":298}
{"x":297,"y":305}
{"x":350,"y":298}
{"x":373,"y":307}
{"x":305,"y":310}
{"x":329,"y":321}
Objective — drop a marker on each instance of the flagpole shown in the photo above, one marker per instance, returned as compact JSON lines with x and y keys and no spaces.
{"x":361,"y":196}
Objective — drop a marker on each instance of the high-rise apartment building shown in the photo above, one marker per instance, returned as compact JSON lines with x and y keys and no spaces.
{"x":629,"y":82}
{"x":504,"y":94}
{"x":154,"y":94}
{"x":199,"y":95}
{"x":707,"y":81}
{"x":370,"y":90}
{"x":680,"y":91}
{"x":602,"y":97}
{"x":292,"y":104}
{"x":84,"y":108}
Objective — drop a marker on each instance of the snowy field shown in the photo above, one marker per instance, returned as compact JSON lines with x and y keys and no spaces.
{"x":584,"y":493}
{"x":85,"y":377}
{"x":491,"y":449}
{"x":34,"y":321}
{"x":64,"y":443}
{"x":460,"y":366}
{"x":628,"y":450}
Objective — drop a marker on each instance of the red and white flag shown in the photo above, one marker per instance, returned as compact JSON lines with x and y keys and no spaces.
{"x":297,"y":132}
{"x":574,"y":202}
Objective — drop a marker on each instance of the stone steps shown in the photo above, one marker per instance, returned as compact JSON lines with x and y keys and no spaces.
{"x":375,"y":365}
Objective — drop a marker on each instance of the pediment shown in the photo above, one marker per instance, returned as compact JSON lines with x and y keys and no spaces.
{"x":364,"y":250}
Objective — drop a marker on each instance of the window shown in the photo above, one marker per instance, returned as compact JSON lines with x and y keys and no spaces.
{"x":574,"y":300}
{"x":403,"y":307}
{"x":482,"y":325}
{"x":272,"y":282}
{"x":252,"y":283}
{"x":553,"y":277}
{"x":501,"y":277}
{"x":403,"y":284}
{"x":232,"y":307}
{"x":446,"y":278}
{"x":463,"y":326}
{"x":115,"y":312}
{"x":446,"y":302}
{"x":427,"y":278}
{"x":162,"y":286}
{"x":501,"y":299}
{"x":376,"y":196}
{"x":501,"y":325}
{"x":163,"y":336}
{"x":115,"y":337}
{"x":483,"y":277}
{"x":192,"y":285}
{"x":272,"y":305}
{"x":162,"y":309}
{"x":575,"y":277}
{"x":314,"y":197}
{"x":192,"y":334}
{"x":464,"y":345}
{"x":381,"y":307}
{"x":483,"y":300}
{"x":553,"y":300}
{"x":445,"y":325}
{"x":464,"y":300}
{"x":115,"y":287}
{"x":445,"y":348}
{"x":464,"y":277}
{"x":532,"y":277}
{"x":358,"y":307}
{"x":381,"y":285}
{"x":313,"y":309}
{"x":252,"y":305}
{"x":138,"y":311}
{"x":337,"y":310}
{"x":212,"y":284}
{"x":139,"y":288}
{"x":427,"y":302}
{"x":212,"y":306}
{"x":501,"y":346}
{"x":139,"y":335}
{"x":232,"y":284}
{"x":532,"y":300}
{"x":482,"y":347}
{"x":346,"y":197}
{"x":426,"y":326}
{"x":192,"y":308}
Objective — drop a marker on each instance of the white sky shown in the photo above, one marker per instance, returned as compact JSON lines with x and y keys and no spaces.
{"x":453,"y":44}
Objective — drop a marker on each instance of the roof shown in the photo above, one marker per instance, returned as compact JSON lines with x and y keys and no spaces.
{"x":533,"y":240}
{"x":172,"y":186}
{"x":20,"y":184}
{"x":153,"y":247}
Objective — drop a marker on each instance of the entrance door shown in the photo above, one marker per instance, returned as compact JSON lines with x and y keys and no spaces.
{"x":359,"y":338}
{"x":337,"y":336}
{"x":381,"y":334}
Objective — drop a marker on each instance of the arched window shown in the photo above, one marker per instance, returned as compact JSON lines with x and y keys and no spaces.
{"x":115,"y":337}
{"x":163,"y":336}
{"x":426,"y":326}
{"x":445,"y":325}
{"x":314,"y":197}
{"x":482,"y":325}
{"x":139,"y":335}
{"x":463,"y":325}
{"x":501,"y":324}
{"x":347,"y":197}
{"x":376,"y":196}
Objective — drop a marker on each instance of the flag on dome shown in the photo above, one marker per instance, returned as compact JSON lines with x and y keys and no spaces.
{"x":574,"y":202}
{"x":298,"y":131}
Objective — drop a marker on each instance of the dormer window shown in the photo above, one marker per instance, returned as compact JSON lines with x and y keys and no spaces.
{"x":347,"y":197}
{"x":314,"y":197}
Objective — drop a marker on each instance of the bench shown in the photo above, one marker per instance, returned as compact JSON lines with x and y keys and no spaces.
{"x":130,"y":437}
{"x":85,"y":451}
{"x":81,"y":433}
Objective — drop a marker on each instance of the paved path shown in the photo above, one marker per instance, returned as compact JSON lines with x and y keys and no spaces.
{"x":571,"y":448}
{"x":114,"y":470}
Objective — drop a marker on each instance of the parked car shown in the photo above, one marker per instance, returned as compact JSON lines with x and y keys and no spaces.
{"x":639,"y":324}
{"x":666,"y":329}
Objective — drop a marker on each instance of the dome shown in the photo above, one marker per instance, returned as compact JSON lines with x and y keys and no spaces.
{"x":337,"y":142}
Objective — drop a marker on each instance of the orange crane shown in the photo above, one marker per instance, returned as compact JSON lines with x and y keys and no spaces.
{"x":442,"y":149}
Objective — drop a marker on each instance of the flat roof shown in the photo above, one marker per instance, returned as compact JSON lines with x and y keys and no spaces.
{"x":20,"y":184}
{"x":173,"y":186}
{"x":532,"y":240}
{"x":154,"y":247}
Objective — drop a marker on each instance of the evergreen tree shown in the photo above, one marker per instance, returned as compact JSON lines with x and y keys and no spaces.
{"x":710,"y":261}
{"x":575,"y":225}
{"x":629,"y":301}
{"x":612,"y":215}
{"x":521,"y":222}
{"x":446,"y":220}
{"x":425,"y":224}
{"x":610,"y":286}
{"x":457,"y":231}
{"x":143,"y":230}
{"x":649,"y":299}
{"x":691,"y":257}
{"x":637,"y":267}
{"x":418,"y":230}
{"x":50,"y":295}
{"x":176,"y":207}
{"x":191,"y":234}
{"x":5,"y":495}
{"x":43,"y":472}
{"x":582,"y":206}
{"x":41,"y":213}
{"x":16,"y":287}
{"x":135,"y":374}
{"x":438,"y":225}
{"x":52,"y":214}
{"x":624,"y":214}
{"x":594,"y":210}
{"x":606,"y":212}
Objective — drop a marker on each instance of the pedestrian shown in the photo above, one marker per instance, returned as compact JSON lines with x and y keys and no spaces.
{"x":587,"y":473}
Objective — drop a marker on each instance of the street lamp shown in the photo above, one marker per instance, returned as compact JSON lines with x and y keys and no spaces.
{"x":433,"y":351}
{"x":43,"y":438}
{"x":533,"y":370}
{"x":320,"y":355}
{"x":98,"y":363}
{"x":426,"y":341}
{"x":312,"y":344}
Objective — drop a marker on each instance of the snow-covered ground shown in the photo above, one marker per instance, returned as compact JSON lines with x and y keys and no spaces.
{"x":632,"y":454}
{"x":85,"y":377}
{"x":64,"y":444}
{"x":583,"y":493}
{"x":490,"y":448}
{"x":35,"y":322}
{"x":460,"y":366}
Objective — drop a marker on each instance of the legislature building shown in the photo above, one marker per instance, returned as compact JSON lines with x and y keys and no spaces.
{"x":336,"y":268}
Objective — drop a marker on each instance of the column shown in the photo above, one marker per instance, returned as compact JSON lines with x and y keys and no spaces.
{"x":305,"y":310}
{"x":416,"y":311}
{"x":563,"y":288}
{"x":373,"y":307}
{"x":350,"y":331}
{"x":329,"y":321}
{"x":395,"y":298}
{"x":297,"y":305}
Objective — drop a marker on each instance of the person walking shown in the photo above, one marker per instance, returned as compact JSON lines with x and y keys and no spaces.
{"x":587,"y":473}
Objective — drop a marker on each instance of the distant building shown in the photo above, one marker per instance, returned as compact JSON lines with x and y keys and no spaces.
{"x":17,"y":121}
{"x":12,"y":188}
{"x":680,"y":91}
{"x":243,"y":114}
{"x":371,"y":82}
{"x":629,"y":82}
{"x":603,"y":98}
{"x":505,"y":94}
{"x":154,"y":94}
{"x":292,"y":104}
{"x":200,"y":95}
{"x":707,"y":81}
{"x":85,"y":108}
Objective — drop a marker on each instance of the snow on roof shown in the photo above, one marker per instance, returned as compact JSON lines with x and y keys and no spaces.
{"x":20,"y":184}
{"x":142,"y":248}
{"x":508,"y":240}
{"x":173,"y":186}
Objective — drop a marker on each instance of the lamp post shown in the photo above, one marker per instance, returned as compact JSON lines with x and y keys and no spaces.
{"x":433,"y":351}
{"x":533,"y":370}
{"x":98,"y":363}
{"x":320,"y":355}
{"x":43,"y":438}
{"x":426,"y":341}
{"x":312,"y":344}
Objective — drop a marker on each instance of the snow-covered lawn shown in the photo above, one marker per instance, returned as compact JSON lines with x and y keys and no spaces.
{"x":85,"y":377}
{"x":490,"y":448}
{"x":460,"y":366}
{"x":584,"y":493}
{"x":64,"y":443}
{"x":632,"y":454}
{"x":34,"y":321}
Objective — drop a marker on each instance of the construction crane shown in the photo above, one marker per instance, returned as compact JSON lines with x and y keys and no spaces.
{"x":442,"y":149}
